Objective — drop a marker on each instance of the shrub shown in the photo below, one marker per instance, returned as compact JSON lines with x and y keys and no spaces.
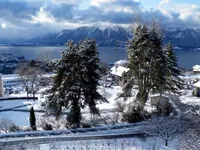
{"x":120,"y":106}
{"x":5,"y":124}
{"x":135,"y":114}
{"x":14,"y":128}
{"x":47,"y":126}
{"x":167,"y":109}
{"x":164,"y":110}
{"x":85,"y":125}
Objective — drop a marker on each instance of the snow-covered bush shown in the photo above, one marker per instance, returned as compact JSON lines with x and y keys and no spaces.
{"x":6,"y":124}
{"x":14,"y":128}
{"x":50,"y":120}
{"x":164,"y":110}
{"x":120,"y":106}
{"x":85,"y":125}
{"x":26,"y":129}
{"x":47,"y":126}
{"x":166,"y":128}
{"x":135,"y":114}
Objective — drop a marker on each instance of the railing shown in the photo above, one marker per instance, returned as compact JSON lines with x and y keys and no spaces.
{"x":74,"y":135}
{"x":88,"y":143}
{"x":67,"y":132}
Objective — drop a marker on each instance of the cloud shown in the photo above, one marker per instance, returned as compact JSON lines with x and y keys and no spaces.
{"x":29,"y":18}
{"x":164,"y":2}
{"x":67,"y":2}
{"x":3,"y":25}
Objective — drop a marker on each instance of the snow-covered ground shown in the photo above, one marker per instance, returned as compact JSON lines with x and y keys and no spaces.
{"x":147,"y":143}
{"x":21,"y":118}
{"x":189,"y":99}
{"x":111,"y":93}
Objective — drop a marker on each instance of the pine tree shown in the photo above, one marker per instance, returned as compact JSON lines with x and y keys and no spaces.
{"x":174,"y":83}
{"x":76,"y":81}
{"x":91,"y":62}
{"x":146,"y":63}
{"x":158,"y":63}
{"x":138,"y":52}
{"x":32,"y":119}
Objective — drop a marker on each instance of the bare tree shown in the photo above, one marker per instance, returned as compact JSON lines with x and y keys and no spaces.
{"x":5,"y":124}
{"x":190,"y":140}
{"x":166,"y":129}
{"x":30,"y":76}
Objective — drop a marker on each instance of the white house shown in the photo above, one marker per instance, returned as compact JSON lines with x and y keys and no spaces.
{"x":196,"y":69}
{"x":121,"y":62}
{"x":118,"y":70}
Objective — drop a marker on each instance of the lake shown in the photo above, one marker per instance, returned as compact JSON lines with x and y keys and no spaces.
{"x":186,"y":58}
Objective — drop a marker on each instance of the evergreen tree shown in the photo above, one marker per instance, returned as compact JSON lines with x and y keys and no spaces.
{"x":146,"y":63}
{"x":158,"y":62}
{"x":76,"y":81}
{"x":91,"y":62}
{"x":32,"y":119}
{"x":174,"y":83}
{"x":138,"y":49}
{"x":150,"y":67}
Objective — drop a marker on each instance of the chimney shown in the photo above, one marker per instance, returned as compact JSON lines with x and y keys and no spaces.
{"x":116,"y":68}
{"x":1,"y":87}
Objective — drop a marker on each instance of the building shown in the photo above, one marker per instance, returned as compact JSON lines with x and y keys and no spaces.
{"x":121,"y":62}
{"x":196,"y":69}
{"x":196,"y":91}
{"x":117,"y":72}
{"x":159,"y":100}
{"x":11,"y":80}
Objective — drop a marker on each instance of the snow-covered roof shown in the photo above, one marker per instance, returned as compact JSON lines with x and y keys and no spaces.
{"x":196,"y":68}
{"x":121,"y":62}
{"x":11,"y":77}
{"x":158,"y":94}
{"x":197,"y":84}
{"x":118,"y":70}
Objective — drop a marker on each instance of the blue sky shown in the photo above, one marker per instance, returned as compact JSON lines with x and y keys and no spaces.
{"x":29,"y":18}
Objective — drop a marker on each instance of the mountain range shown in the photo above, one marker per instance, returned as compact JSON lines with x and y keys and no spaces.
{"x":180,"y":37}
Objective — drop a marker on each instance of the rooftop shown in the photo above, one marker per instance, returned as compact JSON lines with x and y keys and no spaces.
{"x":118,"y":70}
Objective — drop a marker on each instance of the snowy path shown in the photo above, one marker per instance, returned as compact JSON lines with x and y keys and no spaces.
{"x":183,"y":107}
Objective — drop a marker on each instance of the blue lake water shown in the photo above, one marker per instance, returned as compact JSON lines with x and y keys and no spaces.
{"x":186,"y":58}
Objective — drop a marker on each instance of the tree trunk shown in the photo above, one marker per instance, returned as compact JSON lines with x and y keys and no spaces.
{"x":27,"y":92}
{"x":142,"y":98}
{"x":166,"y":142}
{"x":74,"y":117}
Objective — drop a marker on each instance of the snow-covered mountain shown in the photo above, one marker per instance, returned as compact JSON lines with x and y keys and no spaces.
{"x":180,"y":37}
{"x":189,"y":38}
{"x":104,"y":37}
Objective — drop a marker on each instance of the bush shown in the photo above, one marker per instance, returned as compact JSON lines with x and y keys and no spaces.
{"x":5,"y":124}
{"x":85,"y":125}
{"x":120,"y":106}
{"x":135,"y":114}
{"x":14,"y":128}
{"x":167,"y":109}
{"x":47,"y":126}
{"x":164,"y":110}
{"x":25,"y":129}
